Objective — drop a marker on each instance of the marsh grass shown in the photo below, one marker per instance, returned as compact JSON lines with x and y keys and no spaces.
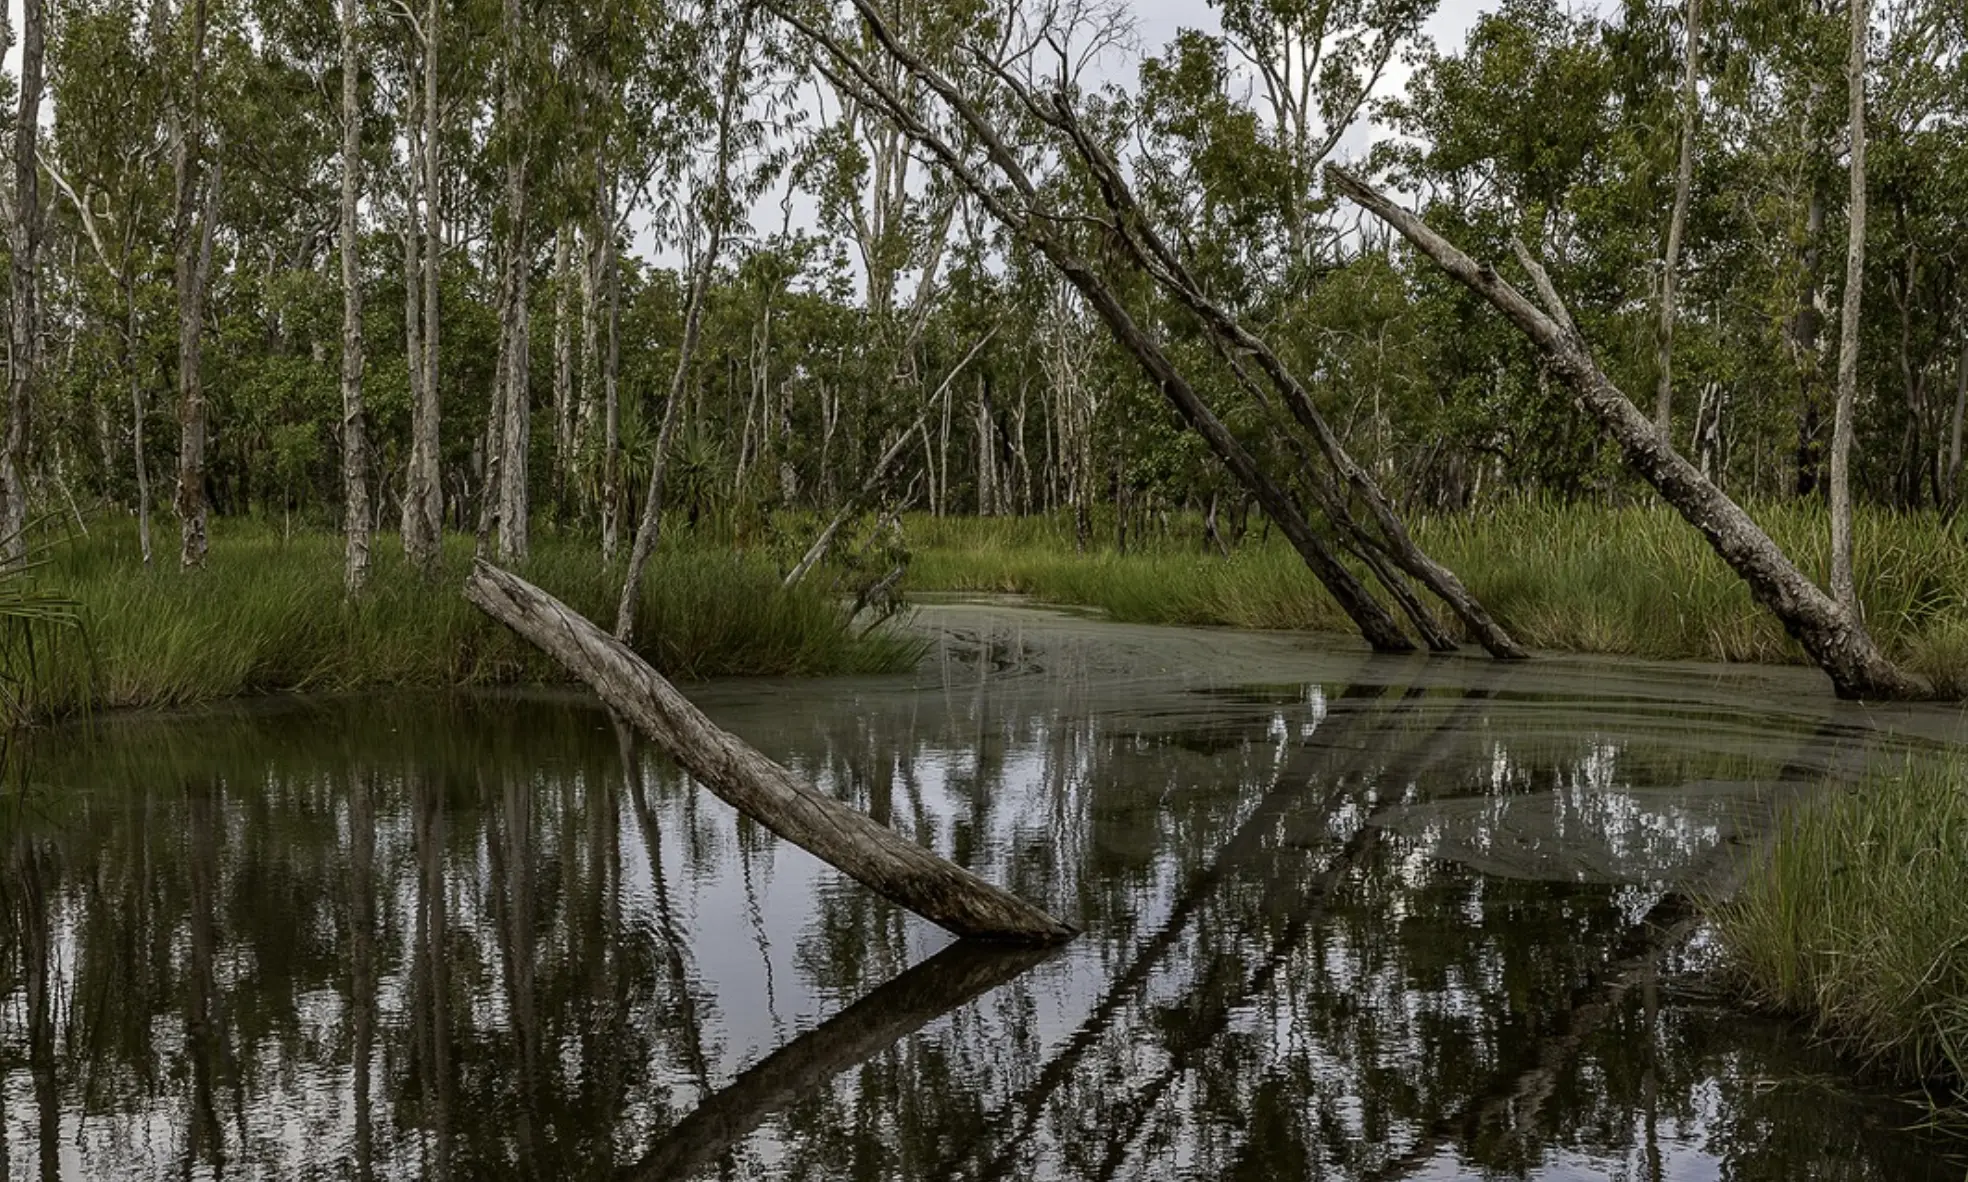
{"x":1855,"y":919}
{"x":268,"y":615}
{"x":1571,"y":578}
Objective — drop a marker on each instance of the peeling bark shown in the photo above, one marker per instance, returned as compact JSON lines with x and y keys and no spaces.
{"x":355,"y":446}
{"x":423,"y":501}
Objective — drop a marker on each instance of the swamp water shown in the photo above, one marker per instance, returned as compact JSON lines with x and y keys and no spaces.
{"x":1345,"y":918}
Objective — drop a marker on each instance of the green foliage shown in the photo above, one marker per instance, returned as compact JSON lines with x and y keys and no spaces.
{"x":269,"y":616}
{"x":1853,"y":919}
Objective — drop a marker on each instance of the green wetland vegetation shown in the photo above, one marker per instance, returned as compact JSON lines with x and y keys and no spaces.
{"x":1852,"y":921}
{"x":1582,"y":578}
{"x":269,"y":616}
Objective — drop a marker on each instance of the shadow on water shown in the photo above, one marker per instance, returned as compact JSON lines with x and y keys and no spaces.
{"x":1346,"y":918}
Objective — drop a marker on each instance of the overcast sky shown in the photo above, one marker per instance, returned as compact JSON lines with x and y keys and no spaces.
{"x":1156,"y":23}
{"x":1159,"y":19}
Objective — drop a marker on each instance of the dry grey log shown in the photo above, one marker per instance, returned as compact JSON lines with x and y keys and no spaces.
{"x":866,"y":850}
{"x":953,"y":977}
{"x":1831,"y":635}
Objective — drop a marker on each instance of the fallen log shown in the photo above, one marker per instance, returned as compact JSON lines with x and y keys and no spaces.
{"x":851,"y":841}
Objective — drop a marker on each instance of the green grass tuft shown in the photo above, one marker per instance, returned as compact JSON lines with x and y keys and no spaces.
{"x":1855,"y":919}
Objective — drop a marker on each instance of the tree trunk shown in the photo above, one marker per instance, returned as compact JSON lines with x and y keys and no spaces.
{"x":718,"y":218}
{"x":1842,"y":588}
{"x":136,"y":410}
{"x":413,"y":314}
{"x":1828,"y":632}
{"x":987,"y":467}
{"x":23,"y":324}
{"x":191,"y":244}
{"x":1953,"y":486}
{"x":423,"y":502}
{"x":355,"y":451}
{"x":492,"y":450}
{"x":611,"y":410}
{"x":871,"y":853}
{"x":191,"y":502}
{"x":650,"y":525}
{"x":1805,"y":332}
{"x":1388,"y":544}
{"x":588,"y":380}
{"x":563,"y":374}
{"x":516,"y":401}
{"x":1684,"y":177}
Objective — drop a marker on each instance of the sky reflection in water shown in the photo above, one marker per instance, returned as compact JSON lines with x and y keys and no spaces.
{"x":1346,"y":918}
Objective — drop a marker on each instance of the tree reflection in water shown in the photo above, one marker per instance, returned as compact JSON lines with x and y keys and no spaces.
{"x":1336,"y":928}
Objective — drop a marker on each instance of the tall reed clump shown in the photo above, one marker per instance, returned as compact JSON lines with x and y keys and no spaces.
{"x":268,"y":615}
{"x":1854,"y":919}
{"x":1640,"y":581}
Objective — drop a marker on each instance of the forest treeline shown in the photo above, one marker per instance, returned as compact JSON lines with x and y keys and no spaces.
{"x":449,"y":265}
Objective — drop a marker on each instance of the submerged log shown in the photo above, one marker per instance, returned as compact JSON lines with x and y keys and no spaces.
{"x":851,"y":841}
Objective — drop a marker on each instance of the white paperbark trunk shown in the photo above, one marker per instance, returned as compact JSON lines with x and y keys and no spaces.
{"x":1684,"y":176}
{"x":23,"y":323}
{"x":1842,"y":584}
{"x":355,"y":450}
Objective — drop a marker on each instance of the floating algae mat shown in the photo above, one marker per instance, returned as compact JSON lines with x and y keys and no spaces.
{"x":1346,"y":917}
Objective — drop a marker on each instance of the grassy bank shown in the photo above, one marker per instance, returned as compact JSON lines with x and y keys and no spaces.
{"x":268,"y":615}
{"x":1855,"y":920}
{"x":1572,"y":578}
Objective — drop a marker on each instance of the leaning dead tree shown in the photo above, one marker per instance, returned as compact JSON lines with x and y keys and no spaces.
{"x":853,"y":842}
{"x":1829,"y":631}
{"x":1382,"y":539}
{"x":979,"y":157}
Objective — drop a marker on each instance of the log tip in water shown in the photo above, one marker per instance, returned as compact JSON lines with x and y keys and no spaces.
{"x":871,"y":853}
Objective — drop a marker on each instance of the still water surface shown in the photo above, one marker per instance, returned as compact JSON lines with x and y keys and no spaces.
{"x":1346,"y":918}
